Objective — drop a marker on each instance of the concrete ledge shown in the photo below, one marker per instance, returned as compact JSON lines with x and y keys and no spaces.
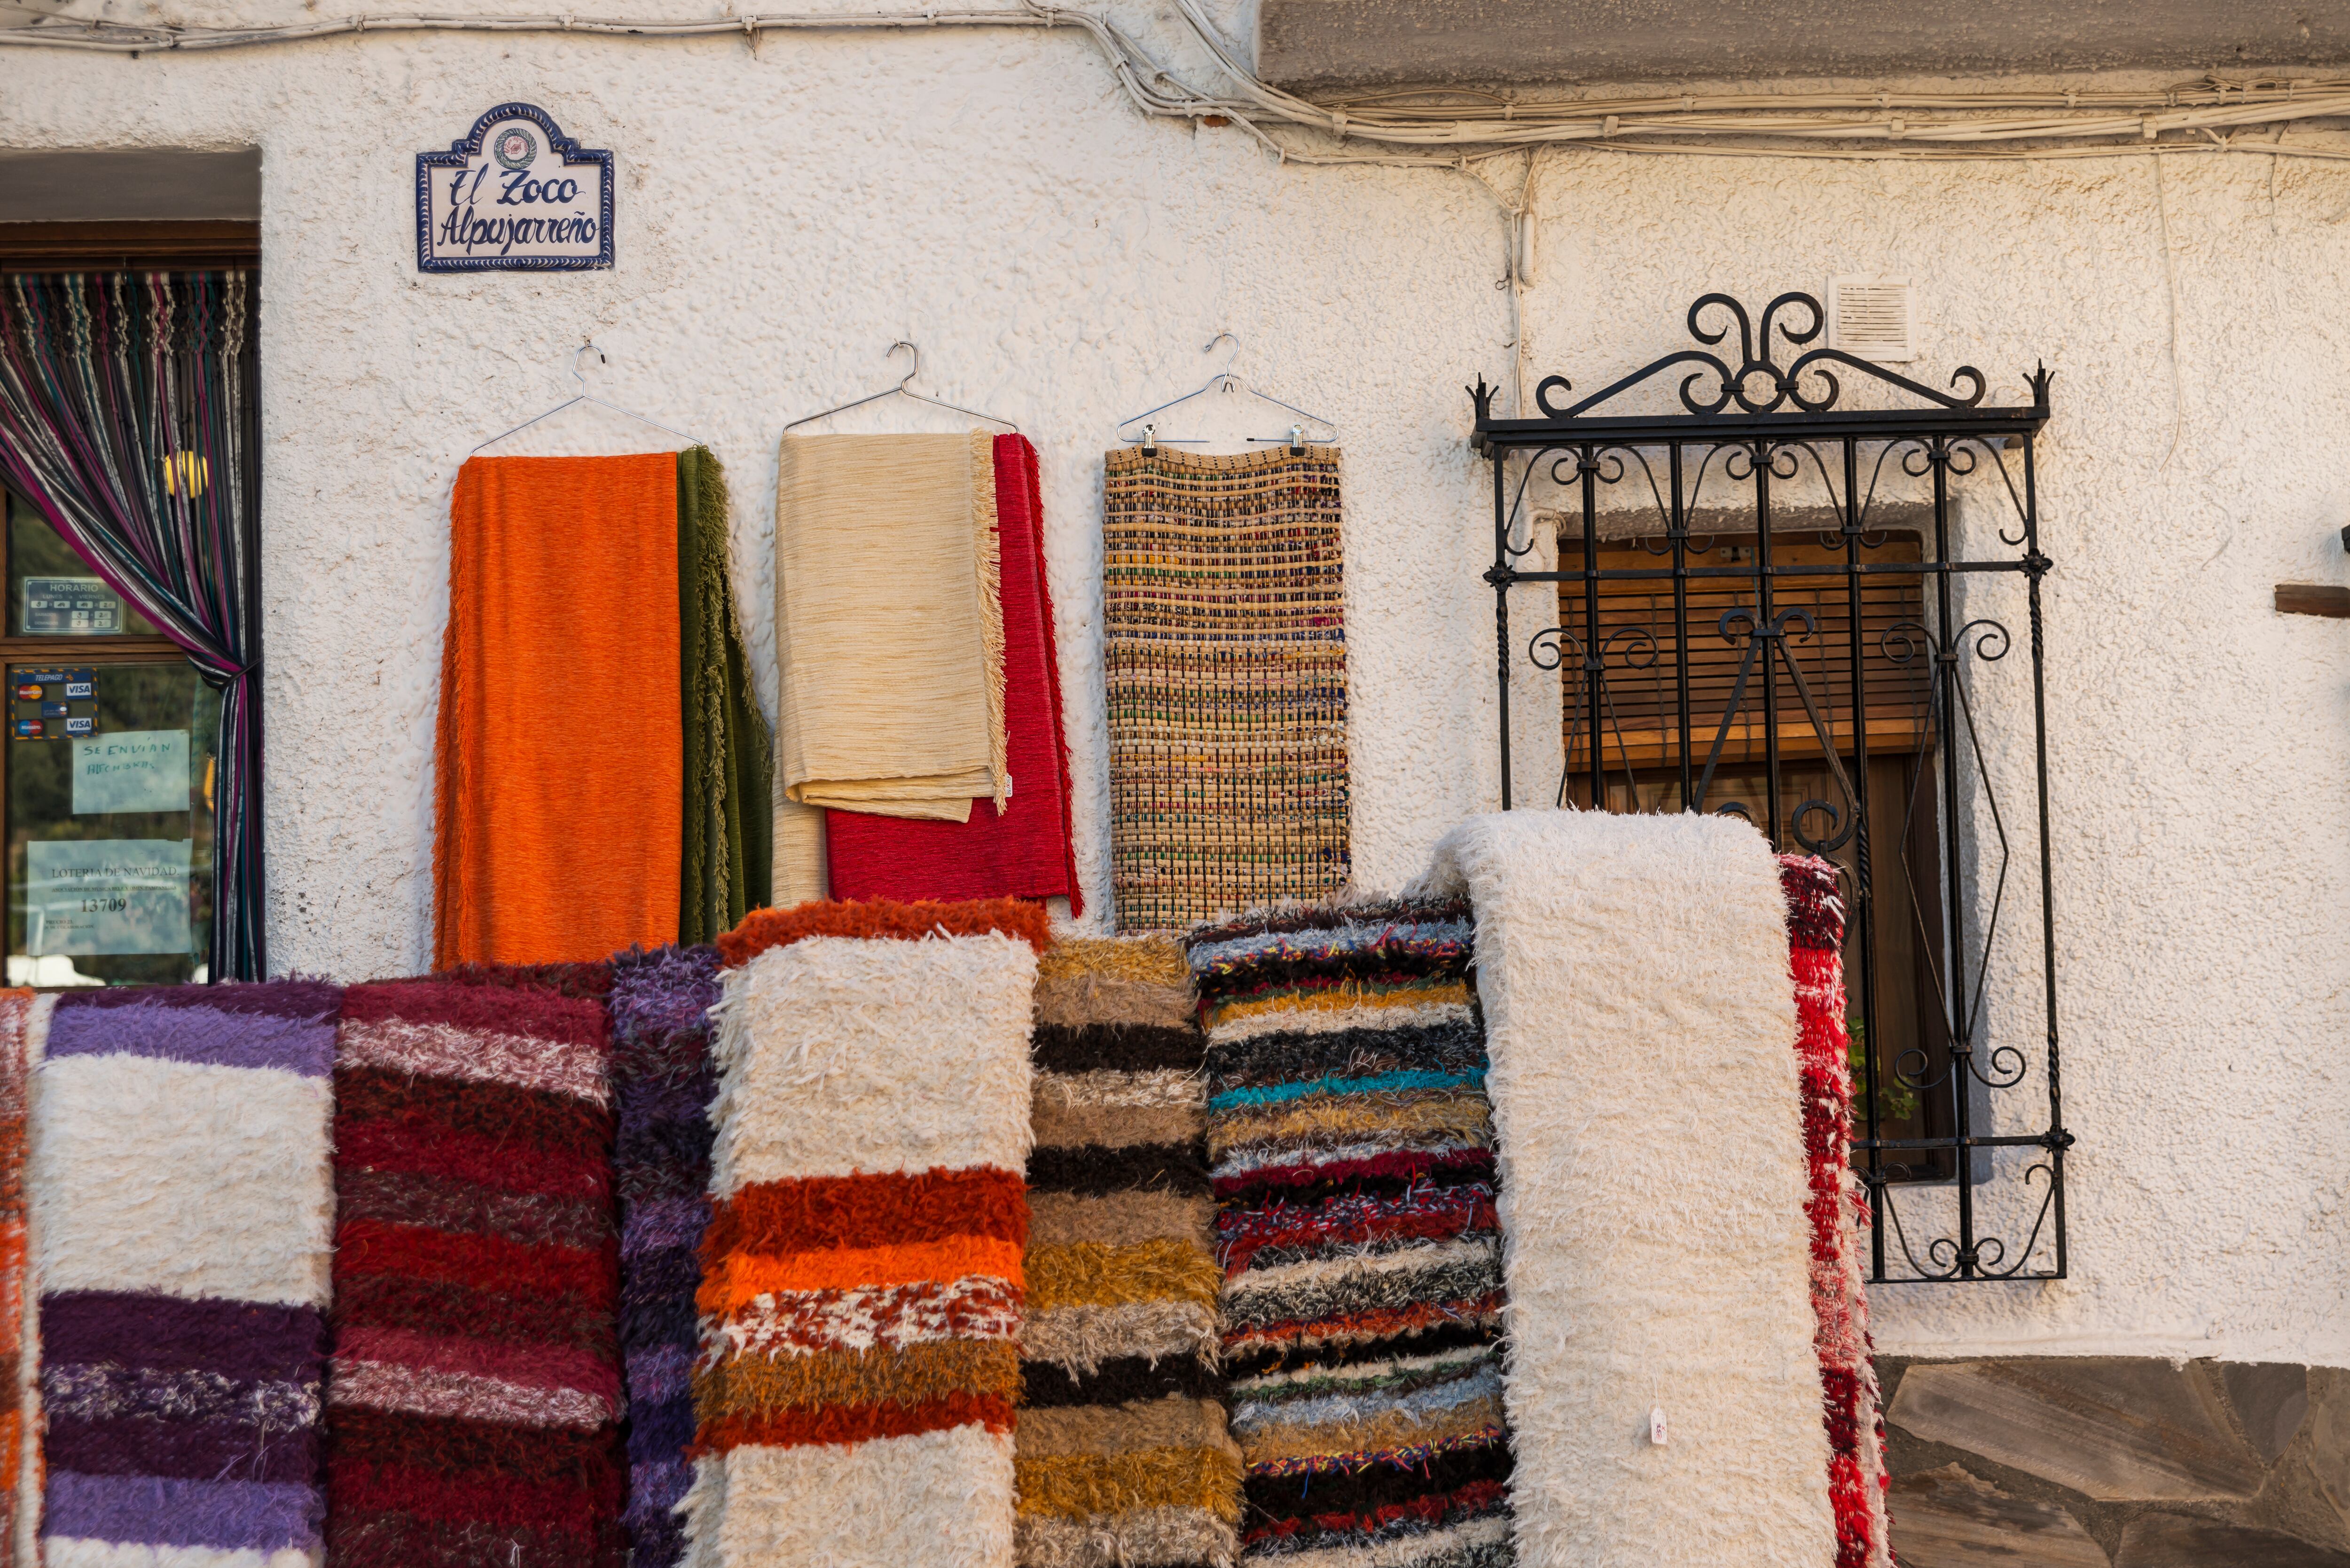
{"x":1328,"y":44}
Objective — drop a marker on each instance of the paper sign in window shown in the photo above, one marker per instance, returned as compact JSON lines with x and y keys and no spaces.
{"x":107,"y":896}
{"x":130,"y":770}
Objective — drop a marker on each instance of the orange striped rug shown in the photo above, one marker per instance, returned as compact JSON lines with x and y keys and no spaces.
{"x":862,"y":1274}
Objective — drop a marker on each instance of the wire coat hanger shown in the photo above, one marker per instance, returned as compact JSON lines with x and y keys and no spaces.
{"x":584,"y":395}
{"x":902,"y":391}
{"x":1225,"y":381}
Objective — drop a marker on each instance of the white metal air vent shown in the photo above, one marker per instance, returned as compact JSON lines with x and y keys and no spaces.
{"x":1870,"y":318}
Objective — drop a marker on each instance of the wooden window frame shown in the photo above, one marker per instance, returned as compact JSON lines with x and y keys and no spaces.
{"x":175,"y":246}
{"x":178,"y":245}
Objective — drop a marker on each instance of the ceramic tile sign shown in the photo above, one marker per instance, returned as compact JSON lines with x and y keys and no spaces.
{"x":514,"y":196}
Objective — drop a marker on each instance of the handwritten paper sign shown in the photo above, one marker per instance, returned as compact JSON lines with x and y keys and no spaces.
{"x":107,"y":896}
{"x":130,"y":770}
{"x":514,"y":194}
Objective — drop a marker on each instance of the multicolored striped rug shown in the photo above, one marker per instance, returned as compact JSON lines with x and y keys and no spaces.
{"x":663,"y":1080}
{"x":862,"y":1272}
{"x":1122,"y":1456}
{"x":476,"y":1382}
{"x":182,"y":1207}
{"x":1225,"y":644}
{"x":1353,"y":1166}
{"x":1852,"y":1403}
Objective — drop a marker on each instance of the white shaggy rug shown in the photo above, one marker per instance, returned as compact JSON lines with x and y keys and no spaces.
{"x":1640,"y":1019}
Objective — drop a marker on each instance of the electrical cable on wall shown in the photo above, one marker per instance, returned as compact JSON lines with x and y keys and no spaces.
{"x":2171,"y":283}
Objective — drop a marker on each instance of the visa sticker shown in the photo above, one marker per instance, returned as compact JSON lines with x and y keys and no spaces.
{"x":77,"y":687}
{"x":78,"y":726}
{"x":53,"y":709}
{"x":28,"y":728}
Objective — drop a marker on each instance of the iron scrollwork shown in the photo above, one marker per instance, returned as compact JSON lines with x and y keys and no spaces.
{"x":1547,"y":650}
{"x":1783,"y":386}
{"x":1771,"y":641}
{"x":1803,"y":657}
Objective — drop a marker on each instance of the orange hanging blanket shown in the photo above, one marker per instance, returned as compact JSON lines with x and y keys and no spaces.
{"x":560,"y":788}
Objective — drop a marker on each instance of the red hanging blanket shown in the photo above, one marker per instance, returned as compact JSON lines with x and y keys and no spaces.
{"x":1023,"y":851}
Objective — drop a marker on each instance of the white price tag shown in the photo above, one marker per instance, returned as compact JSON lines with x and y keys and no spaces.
{"x":1656,"y":1425}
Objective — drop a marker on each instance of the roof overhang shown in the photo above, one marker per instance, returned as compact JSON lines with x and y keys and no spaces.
{"x":1306,"y":45}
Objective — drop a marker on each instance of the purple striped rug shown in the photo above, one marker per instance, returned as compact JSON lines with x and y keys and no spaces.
{"x":182,"y":1204}
{"x":662,"y":1081}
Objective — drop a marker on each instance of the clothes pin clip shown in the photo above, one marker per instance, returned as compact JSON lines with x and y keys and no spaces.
{"x":1297,"y":441}
{"x":1149,"y":439}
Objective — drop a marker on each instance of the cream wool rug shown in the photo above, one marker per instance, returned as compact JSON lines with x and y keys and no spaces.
{"x":1635,"y":980}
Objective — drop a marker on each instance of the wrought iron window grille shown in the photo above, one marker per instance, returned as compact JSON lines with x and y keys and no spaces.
{"x":1745,"y":425}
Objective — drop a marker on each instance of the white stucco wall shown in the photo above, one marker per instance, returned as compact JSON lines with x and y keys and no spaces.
{"x":2198,"y":739}
{"x":784,"y":216}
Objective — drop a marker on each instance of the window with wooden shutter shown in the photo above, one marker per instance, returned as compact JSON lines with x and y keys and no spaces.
{"x":1641,"y":735}
{"x":1640,"y":713}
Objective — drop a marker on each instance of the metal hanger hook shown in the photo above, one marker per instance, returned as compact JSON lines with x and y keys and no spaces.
{"x":1223,"y":380}
{"x":1224,"y":376}
{"x":902,"y":389}
{"x":579,"y":376}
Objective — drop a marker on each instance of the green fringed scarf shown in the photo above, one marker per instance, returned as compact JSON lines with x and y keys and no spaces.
{"x":729,"y":822}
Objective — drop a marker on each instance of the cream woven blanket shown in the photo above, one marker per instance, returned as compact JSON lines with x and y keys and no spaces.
{"x":890,"y":635}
